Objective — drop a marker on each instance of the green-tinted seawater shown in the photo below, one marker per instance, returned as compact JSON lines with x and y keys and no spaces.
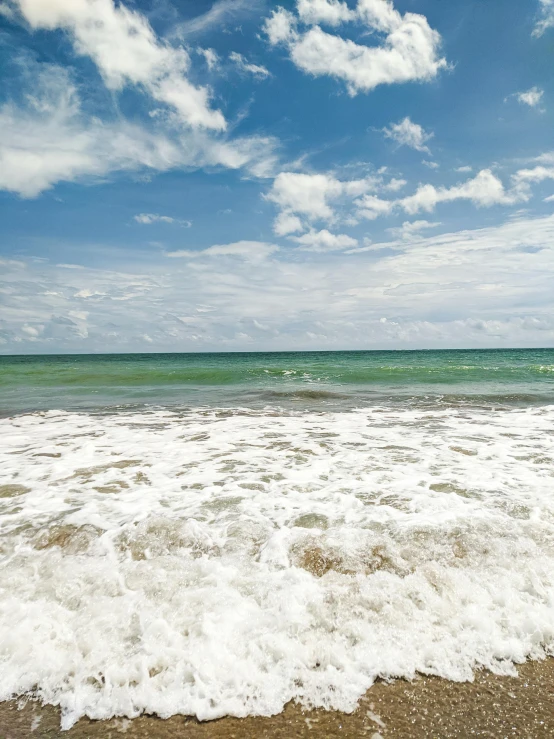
{"x":254,"y":379}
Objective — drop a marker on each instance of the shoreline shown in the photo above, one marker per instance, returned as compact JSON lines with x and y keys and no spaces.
{"x":490,"y":706}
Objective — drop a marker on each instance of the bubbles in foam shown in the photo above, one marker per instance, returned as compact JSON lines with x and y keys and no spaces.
{"x":215,"y":563}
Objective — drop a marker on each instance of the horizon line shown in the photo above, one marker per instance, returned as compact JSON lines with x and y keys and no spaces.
{"x":277,"y":351}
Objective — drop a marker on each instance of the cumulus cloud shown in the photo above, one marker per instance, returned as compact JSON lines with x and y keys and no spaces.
{"x":406,"y":48}
{"x":147,"y":219}
{"x":324,"y":241}
{"x":126,"y":51}
{"x":371,"y":207}
{"x":313,"y":197}
{"x":532,"y":97}
{"x":256,"y":70}
{"x":395,"y":184}
{"x":304,"y":198}
{"x":306,"y":194}
{"x":485,"y":189}
{"x":408,"y":133}
{"x":330,"y":12}
{"x":546,"y":20}
{"x":287,"y":223}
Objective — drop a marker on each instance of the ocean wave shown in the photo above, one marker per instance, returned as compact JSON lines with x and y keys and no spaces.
{"x":210,"y":562}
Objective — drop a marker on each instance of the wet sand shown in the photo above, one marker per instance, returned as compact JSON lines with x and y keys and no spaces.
{"x":429,"y":708}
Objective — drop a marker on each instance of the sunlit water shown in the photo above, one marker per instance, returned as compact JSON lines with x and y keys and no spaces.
{"x":220,"y":534}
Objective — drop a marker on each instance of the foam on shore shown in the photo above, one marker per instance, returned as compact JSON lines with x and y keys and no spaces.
{"x":223,"y":563}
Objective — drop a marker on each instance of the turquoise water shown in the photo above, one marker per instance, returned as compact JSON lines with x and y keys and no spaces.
{"x":260,"y":379}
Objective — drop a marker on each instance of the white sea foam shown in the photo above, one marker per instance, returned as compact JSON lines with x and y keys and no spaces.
{"x":215,"y":563}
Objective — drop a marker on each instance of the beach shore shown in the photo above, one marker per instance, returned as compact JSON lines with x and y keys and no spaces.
{"x":430,"y":708}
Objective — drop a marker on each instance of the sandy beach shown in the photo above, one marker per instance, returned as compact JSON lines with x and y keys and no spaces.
{"x":491,"y":706}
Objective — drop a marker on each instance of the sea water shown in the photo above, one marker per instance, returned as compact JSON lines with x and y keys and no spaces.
{"x":219,"y":534}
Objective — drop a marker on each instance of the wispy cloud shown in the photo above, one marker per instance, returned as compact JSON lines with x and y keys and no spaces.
{"x":256,"y":70}
{"x":211,"y":57}
{"x":48,"y":138}
{"x":127,"y":51}
{"x":249,"y":250}
{"x":546,"y":19}
{"x":147,"y":219}
{"x":221,"y":14}
{"x":412,"y":229}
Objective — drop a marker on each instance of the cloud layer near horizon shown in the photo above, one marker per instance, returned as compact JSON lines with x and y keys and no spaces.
{"x":457,"y":289}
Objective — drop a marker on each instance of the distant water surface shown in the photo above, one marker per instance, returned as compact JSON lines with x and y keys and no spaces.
{"x":256,"y":379}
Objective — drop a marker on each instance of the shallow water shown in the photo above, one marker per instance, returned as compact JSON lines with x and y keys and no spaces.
{"x":209,"y":558}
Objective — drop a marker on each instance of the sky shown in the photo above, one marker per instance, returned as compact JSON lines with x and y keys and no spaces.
{"x":242,"y":175}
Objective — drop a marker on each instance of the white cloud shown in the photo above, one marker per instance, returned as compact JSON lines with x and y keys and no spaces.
{"x":303,"y":198}
{"x":324,"y":241}
{"x":490,"y":286}
{"x":256,"y":70}
{"x":371,"y":207}
{"x":147,"y":219}
{"x":126,"y":51}
{"x":306,"y":194}
{"x":546,"y":158}
{"x":536,"y":174}
{"x":314,"y":197}
{"x":408,"y":133}
{"x":49,"y":138}
{"x":249,"y":250}
{"x":395,"y":184}
{"x":409,"y":51}
{"x":485,"y":189}
{"x":430,"y":165}
{"x":547,"y":17}
{"x":287,"y":223}
{"x":412,"y":229}
{"x":211,"y":57}
{"x":531,"y":97}
{"x":280,"y":27}
{"x":330,"y":12}
{"x":219,"y":16}
{"x":549,"y":199}
{"x":465,"y":168}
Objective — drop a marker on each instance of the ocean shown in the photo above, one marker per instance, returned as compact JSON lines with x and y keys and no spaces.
{"x":219,"y":534}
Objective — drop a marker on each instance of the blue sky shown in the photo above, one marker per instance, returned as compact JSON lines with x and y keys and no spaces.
{"x":180,"y":175}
